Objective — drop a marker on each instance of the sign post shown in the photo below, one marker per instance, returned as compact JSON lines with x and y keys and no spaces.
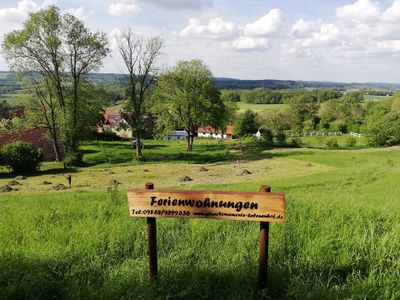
{"x":152,"y":242}
{"x":262,"y":206}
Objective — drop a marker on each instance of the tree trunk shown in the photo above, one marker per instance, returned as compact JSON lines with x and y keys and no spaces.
{"x":189,"y":142}
{"x":139,"y":155}
{"x":55,"y":144}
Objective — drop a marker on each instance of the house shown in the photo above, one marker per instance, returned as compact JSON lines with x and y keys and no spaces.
{"x":176,"y":135}
{"x":209,"y":131}
{"x":38,"y":137}
{"x":114,"y":122}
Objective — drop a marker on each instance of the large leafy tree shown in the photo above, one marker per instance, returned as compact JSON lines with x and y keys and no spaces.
{"x":61,"y":50}
{"x":187,"y":98}
{"x":139,"y":55}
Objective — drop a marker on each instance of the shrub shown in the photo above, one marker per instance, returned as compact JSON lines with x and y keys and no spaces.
{"x":267,"y":137}
{"x":21,"y":156}
{"x":350,"y":141}
{"x":280,"y":138}
{"x":73,"y":159}
{"x":332,"y":143}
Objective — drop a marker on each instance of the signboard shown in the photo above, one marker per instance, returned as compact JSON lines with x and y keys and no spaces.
{"x":242,"y":206}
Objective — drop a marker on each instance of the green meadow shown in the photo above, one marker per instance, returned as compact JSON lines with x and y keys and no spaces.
{"x":341,"y":239}
{"x":260,"y":107}
{"x":15,"y":99}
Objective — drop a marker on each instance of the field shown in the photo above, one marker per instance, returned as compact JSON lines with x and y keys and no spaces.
{"x":259,"y":107}
{"x":14,"y":99}
{"x":341,"y":239}
{"x":374,"y":98}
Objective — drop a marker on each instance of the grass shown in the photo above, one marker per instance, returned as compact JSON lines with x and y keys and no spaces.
{"x":374,"y":98}
{"x":259,"y":107}
{"x":321,"y":141}
{"x":341,"y":239}
{"x":15,"y":99}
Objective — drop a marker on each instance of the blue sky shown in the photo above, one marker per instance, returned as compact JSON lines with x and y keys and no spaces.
{"x":349,"y":41}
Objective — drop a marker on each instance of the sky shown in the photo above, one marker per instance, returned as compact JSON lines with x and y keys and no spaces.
{"x":339,"y":40}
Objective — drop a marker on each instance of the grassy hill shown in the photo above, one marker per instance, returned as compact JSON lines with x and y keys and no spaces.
{"x":341,"y":239}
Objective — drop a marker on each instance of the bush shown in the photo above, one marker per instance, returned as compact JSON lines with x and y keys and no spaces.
{"x":72,"y":159}
{"x":350,"y":141}
{"x":280,"y":138}
{"x":332,"y":143}
{"x":21,"y":156}
{"x":267,"y":137}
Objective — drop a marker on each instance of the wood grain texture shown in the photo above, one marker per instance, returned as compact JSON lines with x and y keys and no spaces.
{"x":243,"y":206}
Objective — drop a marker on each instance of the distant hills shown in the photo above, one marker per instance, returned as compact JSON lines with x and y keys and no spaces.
{"x":10,"y":83}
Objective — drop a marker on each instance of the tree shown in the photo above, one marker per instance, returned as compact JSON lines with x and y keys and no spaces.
{"x":230,"y":96}
{"x":139,"y":56}
{"x":42,"y":110}
{"x":4,"y":110}
{"x":60,"y":49}
{"x":186,"y":97}
{"x":247,"y":124}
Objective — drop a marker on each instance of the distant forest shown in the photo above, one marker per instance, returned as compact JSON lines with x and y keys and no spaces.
{"x":10,"y":83}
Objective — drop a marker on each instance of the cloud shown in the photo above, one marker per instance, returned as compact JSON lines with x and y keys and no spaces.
{"x":181,"y":4}
{"x":215,"y":28}
{"x":77,"y":12}
{"x":19,"y":13}
{"x":250,"y":43}
{"x":124,"y":8}
{"x":305,"y":28}
{"x":362,"y":11}
{"x":271,"y":23}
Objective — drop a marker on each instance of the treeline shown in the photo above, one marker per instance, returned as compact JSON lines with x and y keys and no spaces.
{"x":378,"y":121}
{"x":9,"y":83}
{"x":233,"y":84}
{"x":268,"y":96}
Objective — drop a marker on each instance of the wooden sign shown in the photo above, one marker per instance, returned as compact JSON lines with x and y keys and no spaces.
{"x":242,"y":206}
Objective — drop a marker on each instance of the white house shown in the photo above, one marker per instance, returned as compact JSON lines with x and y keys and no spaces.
{"x":176,"y":135}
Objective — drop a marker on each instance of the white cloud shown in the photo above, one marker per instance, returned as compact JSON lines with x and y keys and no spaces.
{"x":250,"y":43}
{"x":216,"y":28}
{"x":181,"y":4}
{"x":124,"y":8}
{"x":392,"y":14}
{"x":77,"y":12}
{"x":305,"y":28}
{"x":362,"y":11}
{"x":19,"y":13}
{"x":271,"y":23}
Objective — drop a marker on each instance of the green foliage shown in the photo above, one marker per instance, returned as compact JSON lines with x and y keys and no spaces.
{"x":246,"y":124}
{"x":21,"y":156}
{"x":332,"y":143}
{"x":267,"y":137}
{"x":230,"y":96}
{"x":59,"y":50}
{"x":382,"y":125}
{"x":269,"y":96}
{"x":187,"y":98}
{"x":350,"y":141}
{"x":4,"y":110}
{"x":71,"y":159}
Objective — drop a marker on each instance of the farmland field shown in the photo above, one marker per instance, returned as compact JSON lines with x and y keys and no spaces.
{"x":374,"y":98}
{"x":259,"y":107}
{"x":341,"y":239}
{"x":14,"y":99}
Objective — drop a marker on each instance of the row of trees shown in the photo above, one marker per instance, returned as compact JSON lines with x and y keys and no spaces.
{"x":57,"y":52}
{"x":269,"y":96}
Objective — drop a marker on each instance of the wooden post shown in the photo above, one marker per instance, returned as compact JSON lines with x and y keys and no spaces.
{"x":263,"y":240}
{"x":152,"y":242}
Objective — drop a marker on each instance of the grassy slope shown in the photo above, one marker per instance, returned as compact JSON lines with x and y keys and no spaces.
{"x":341,"y":238}
{"x":259,"y":107}
{"x":15,"y":99}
